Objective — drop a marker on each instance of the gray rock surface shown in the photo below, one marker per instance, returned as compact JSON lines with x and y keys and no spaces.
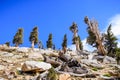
{"x":109,"y":60}
{"x":6,"y":54}
{"x":2,"y":67}
{"x":92,"y":63}
{"x":2,"y":79}
{"x":36,"y":55}
{"x":33,"y":65}
{"x":22,"y":50}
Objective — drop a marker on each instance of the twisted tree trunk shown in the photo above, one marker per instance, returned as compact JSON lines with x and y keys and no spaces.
{"x":93,"y":25}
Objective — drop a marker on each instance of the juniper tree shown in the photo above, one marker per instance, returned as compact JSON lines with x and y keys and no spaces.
{"x":34,"y":36}
{"x":18,"y":38}
{"x":74,"y":29}
{"x":80,"y":43}
{"x":110,"y":42}
{"x":95,"y":38}
{"x":64,"y":43}
{"x":49,"y":42}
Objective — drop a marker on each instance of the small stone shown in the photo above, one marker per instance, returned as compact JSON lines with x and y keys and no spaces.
{"x":2,"y":79}
{"x":64,"y":77}
{"x":2,"y":67}
{"x":36,"y":55}
{"x":11,"y":75}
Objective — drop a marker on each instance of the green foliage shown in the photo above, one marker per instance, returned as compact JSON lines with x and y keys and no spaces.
{"x":52,"y":75}
{"x":74,"y":40}
{"x":49,"y":42}
{"x":80,"y":43}
{"x":8,"y":44}
{"x":91,"y":39}
{"x":117,"y":55}
{"x":34,"y":35}
{"x":107,"y":75}
{"x":74,"y":27}
{"x":94,"y":36}
{"x":64,"y":44}
{"x":18,"y":38}
{"x":94,"y":69}
{"x":18,"y":72}
{"x":40,"y":60}
{"x":110,"y":42}
{"x":86,"y":19}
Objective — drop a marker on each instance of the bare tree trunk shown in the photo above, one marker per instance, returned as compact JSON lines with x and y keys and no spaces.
{"x":64,"y":49}
{"x":32,"y":46}
{"x":77,"y":45}
{"x":16,"y":45}
{"x":76,"y":41}
{"x":94,"y":28}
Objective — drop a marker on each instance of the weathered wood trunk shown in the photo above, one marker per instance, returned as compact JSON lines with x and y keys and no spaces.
{"x":32,"y":45}
{"x":74,"y":30}
{"x":77,"y":45}
{"x":93,"y":25}
{"x":64,"y":49}
{"x":16,"y":45}
{"x":76,"y":41}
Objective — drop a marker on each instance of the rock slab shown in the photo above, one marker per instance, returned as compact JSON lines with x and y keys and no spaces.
{"x":34,"y":65}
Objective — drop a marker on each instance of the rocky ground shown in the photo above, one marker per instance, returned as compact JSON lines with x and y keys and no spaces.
{"x":46,"y":64}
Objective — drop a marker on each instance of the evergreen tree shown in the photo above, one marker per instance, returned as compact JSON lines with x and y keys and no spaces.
{"x":95,"y":38}
{"x":64,"y":44}
{"x":34,"y":36}
{"x":91,"y":39}
{"x":49,"y":42}
{"x":74,"y":29}
{"x":18,"y":38}
{"x":74,"y":39}
{"x":110,"y":42}
{"x":80,"y":43}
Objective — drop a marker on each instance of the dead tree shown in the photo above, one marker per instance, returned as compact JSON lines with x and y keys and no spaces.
{"x":93,"y":27}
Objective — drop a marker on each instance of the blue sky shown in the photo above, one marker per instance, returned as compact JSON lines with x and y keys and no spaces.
{"x":53,"y":16}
